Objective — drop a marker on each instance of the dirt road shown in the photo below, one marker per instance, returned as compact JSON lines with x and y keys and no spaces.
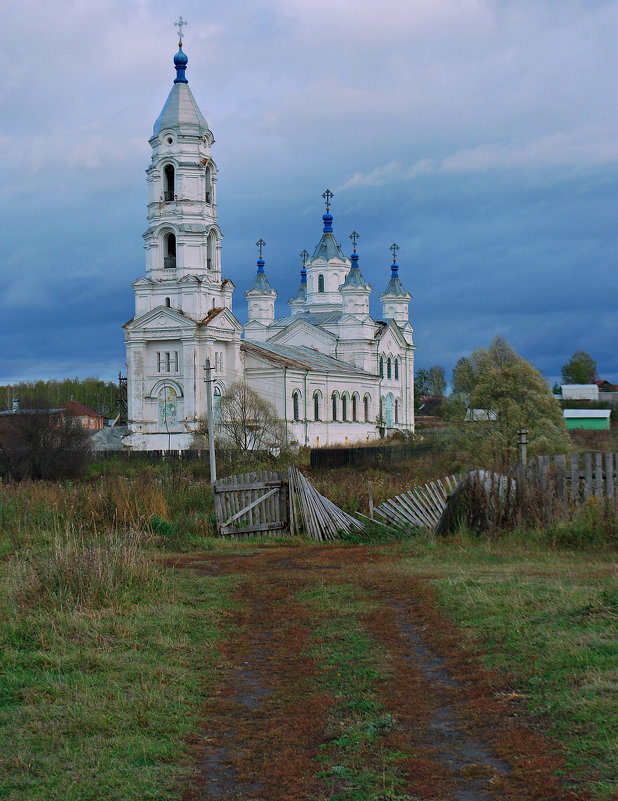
{"x":418,"y":718}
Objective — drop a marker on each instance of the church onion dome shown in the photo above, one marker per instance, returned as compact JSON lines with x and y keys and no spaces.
{"x":355,"y":278}
{"x":328,"y":248}
{"x":180,"y":109}
{"x":260,"y":282}
{"x":395,"y":287}
{"x":301,"y":292}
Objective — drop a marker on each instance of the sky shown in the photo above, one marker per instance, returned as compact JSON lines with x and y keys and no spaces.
{"x":479,"y":135}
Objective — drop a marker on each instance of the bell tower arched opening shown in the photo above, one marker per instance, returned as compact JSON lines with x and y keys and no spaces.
{"x":169,"y":189}
{"x":169,"y":258}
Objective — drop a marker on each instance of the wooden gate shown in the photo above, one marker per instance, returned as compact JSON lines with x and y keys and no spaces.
{"x":252,"y":503}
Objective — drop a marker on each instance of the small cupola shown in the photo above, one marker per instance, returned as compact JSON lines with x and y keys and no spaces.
{"x":395,"y":298}
{"x":355,"y":290}
{"x":260,"y":295}
{"x":299,"y":301}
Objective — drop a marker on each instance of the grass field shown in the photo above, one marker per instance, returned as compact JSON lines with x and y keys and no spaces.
{"x":109,"y":654}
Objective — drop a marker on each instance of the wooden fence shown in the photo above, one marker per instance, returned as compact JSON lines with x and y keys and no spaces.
{"x":577,"y":476}
{"x":367,"y":456}
{"x":252,"y":503}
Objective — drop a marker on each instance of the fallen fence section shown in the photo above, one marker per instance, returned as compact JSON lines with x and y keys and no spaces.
{"x":421,"y":507}
{"x":268,"y":501}
{"x":320,"y":518}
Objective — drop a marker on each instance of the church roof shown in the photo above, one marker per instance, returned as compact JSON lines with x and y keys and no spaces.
{"x":395,"y":287}
{"x":355,"y":278}
{"x":313,"y":318}
{"x":181,"y":111}
{"x":328,"y":248}
{"x":301,"y":356}
{"x":301,"y":294}
{"x":261,"y":284}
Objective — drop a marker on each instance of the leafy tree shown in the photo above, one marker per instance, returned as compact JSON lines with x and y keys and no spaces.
{"x":421,"y":383}
{"x":437,"y":380}
{"x":502,"y":383}
{"x":580,"y":369}
{"x":248,"y":421}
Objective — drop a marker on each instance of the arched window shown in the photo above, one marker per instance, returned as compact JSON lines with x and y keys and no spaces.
{"x":396,"y":411}
{"x":389,"y":368}
{"x":389,"y":411}
{"x":208,"y":182}
{"x":168,"y":302}
{"x":296,"y":404}
{"x":344,"y":406}
{"x":355,"y":408}
{"x":216,"y":405}
{"x":211,"y":251}
{"x":168,"y":183}
{"x":366,"y":402}
{"x":316,"y":405}
{"x":396,"y":369}
{"x":167,"y":403}
{"x":320,"y":283}
{"x":335,"y":398}
{"x":169,"y":259}
{"x":381,"y":367}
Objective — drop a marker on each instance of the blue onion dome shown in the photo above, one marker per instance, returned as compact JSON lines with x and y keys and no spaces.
{"x":180,"y":63}
{"x":260,"y":265}
{"x":354,"y":258}
{"x":395,"y":268}
{"x":327,"y":219}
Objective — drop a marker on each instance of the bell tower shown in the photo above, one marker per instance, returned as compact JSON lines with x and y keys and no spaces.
{"x":183,"y":238}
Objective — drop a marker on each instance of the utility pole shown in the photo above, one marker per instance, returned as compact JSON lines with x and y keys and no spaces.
{"x":211,"y":426}
{"x":522,"y":434}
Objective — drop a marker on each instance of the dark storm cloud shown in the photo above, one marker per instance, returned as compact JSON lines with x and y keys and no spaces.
{"x":481,"y":136}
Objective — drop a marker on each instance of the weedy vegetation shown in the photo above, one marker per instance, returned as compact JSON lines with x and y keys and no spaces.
{"x":108,"y":654}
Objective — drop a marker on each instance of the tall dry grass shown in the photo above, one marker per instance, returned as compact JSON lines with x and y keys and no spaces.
{"x":81,"y":570}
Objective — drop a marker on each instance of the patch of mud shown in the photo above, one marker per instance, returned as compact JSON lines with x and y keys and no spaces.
{"x":474,"y":763}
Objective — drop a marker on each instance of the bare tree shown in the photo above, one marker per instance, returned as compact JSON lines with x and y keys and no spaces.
{"x":39,"y":443}
{"x":248,"y":421}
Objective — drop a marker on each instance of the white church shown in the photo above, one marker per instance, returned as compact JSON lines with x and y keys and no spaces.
{"x":334,"y":374}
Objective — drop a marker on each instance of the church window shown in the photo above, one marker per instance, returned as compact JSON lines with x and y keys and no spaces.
{"x":168,"y":302}
{"x":396,"y":369}
{"x":208,"y":181}
{"x":354,"y":408}
{"x":396,"y":410}
{"x":335,"y":399}
{"x":344,"y":407}
{"x":169,"y":190}
{"x":389,"y":411}
{"x":169,"y":260}
{"x":167,"y":361}
{"x":296,"y":404}
{"x":320,"y":283}
{"x":167,"y":403}
{"x":366,"y":401}
{"x":316,"y":405}
{"x":381,"y":367}
{"x":389,"y":368}
{"x":211,"y":249}
{"x":216,"y":405}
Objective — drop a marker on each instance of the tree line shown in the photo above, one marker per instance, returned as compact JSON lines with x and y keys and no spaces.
{"x":105,"y":397}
